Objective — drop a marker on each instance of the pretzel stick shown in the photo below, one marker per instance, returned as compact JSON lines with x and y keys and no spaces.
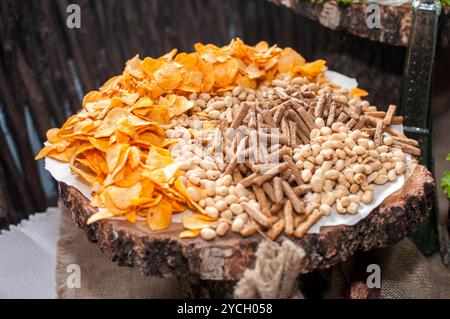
{"x":270,"y":173}
{"x":268,"y":189}
{"x":262,"y":200}
{"x":408,"y":148}
{"x":306,"y":225}
{"x":249,"y":180}
{"x":340,"y":99}
{"x":394,"y":132}
{"x":307,"y":118}
{"x":237,"y":155}
{"x":240,"y":116}
{"x":294,"y":115}
{"x":252,"y":117}
{"x":350,"y":124}
{"x":351,"y":113}
{"x":302,"y":137}
{"x":249,"y":230}
{"x":281,"y":93}
{"x":293,"y":134}
{"x":298,"y":219}
{"x":406,"y":141}
{"x":275,"y":157}
{"x":397,"y":120}
{"x":277,"y":138}
{"x":378,"y":114}
{"x":389,"y":114}
{"x":302,"y":189}
{"x":257,"y":215}
{"x":323,"y":99}
{"x":288,"y":218}
{"x":276,"y":230}
{"x":237,"y":176}
{"x":267,"y":117}
{"x":278,"y":190}
{"x":331,"y":114}
{"x":243,"y":168}
{"x":294,"y":169}
{"x":275,"y":209}
{"x":342,"y":117}
{"x":278,"y":115}
{"x":284,"y":127}
{"x":362,"y":120}
{"x":298,"y":205}
{"x":378,"y":133}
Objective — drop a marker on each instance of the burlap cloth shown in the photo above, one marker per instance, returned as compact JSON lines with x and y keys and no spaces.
{"x":406,"y":273}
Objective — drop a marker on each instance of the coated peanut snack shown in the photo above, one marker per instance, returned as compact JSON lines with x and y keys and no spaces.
{"x":249,"y":139}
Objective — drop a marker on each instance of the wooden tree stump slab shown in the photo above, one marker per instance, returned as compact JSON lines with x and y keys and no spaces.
{"x":395,"y":20}
{"x":164,"y":254}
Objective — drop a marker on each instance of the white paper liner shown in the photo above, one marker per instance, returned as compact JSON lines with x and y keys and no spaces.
{"x":62,"y":173}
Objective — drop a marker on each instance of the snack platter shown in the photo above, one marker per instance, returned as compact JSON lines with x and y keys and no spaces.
{"x":190,"y":160}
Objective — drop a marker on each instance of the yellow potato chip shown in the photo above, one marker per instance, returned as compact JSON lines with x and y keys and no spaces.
{"x":196,"y":221}
{"x":190,"y":233}
{"x":100,"y":215}
{"x":121,"y":197}
{"x":160,"y":216}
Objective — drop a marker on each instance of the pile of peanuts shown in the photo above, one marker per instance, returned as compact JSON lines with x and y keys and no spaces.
{"x":338,"y":163}
{"x":341,"y":165}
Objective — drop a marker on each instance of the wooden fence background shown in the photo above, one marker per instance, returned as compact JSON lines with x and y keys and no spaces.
{"x":45,"y":67}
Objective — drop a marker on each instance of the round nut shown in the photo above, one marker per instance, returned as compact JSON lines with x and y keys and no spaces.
{"x":208,"y":233}
{"x":352,"y":208}
{"x":221,"y":205}
{"x":222,"y":228}
{"x":367,"y":197}
{"x":236,"y":209}
{"x":381,"y":180}
{"x":237,"y":225}
{"x":222,"y":190}
{"x":193,"y":193}
{"x":332,"y":174}
{"x":212,"y":211}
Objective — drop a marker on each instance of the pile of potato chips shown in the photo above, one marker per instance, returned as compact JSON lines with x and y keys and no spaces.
{"x":117,"y":144}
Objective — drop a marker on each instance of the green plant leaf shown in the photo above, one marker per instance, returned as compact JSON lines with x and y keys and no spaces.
{"x":445,"y":183}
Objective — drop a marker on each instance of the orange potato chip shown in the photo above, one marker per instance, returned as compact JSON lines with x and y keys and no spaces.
{"x":225,"y":73}
{"x":359,"y":92}
{"x":180,"y":106}
{"x":312,"y":69}
{"x":160,"y":216}
{"x":288,"y":60}
{"x":168,"y":77}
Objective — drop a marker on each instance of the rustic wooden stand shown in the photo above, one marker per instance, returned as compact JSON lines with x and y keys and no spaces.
{"x":210,"y":269}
